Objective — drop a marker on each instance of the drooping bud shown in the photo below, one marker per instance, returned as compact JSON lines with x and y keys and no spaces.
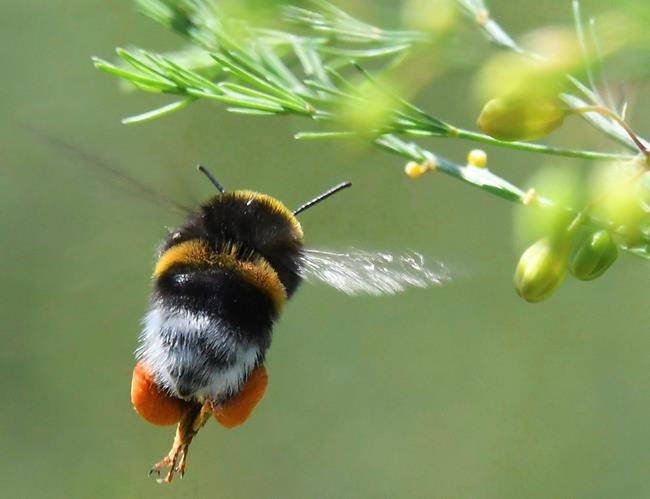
{"x":593,"y":255}
{"x":521,"y":118}
{"x":540,"y":270}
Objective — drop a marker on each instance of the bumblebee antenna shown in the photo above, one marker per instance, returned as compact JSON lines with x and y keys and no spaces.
{"x":211,"y":177}
{"x":323,"y":196}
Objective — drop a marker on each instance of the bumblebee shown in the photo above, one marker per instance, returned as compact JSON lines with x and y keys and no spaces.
{"x":219,"y":283}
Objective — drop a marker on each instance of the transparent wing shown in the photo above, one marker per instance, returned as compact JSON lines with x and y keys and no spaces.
{"x":358,"y":272}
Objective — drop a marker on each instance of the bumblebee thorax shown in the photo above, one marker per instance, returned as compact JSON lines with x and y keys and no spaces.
{"x":251,"y":208}
{"x":257,"y":225}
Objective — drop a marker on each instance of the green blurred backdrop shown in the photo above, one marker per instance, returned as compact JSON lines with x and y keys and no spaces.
{"x":459,"y":392}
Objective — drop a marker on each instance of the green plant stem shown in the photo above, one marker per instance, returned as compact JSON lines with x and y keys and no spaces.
{"x":487,"y":181}
{"x":257,"y":80}
{"x":540,"y":148}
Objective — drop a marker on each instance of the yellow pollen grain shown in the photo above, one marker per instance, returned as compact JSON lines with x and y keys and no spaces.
{"x":477,"y":158}
{"x":415,"y":170}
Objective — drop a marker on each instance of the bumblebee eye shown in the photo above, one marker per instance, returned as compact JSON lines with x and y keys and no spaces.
{"x":176,"y":236}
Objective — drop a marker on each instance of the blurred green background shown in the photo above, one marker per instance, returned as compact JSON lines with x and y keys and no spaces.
{"x":460,"y":392}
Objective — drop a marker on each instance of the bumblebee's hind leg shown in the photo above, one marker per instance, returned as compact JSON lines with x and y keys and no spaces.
{"x":160,"y":408}
{"x":192,"y":420}
{"x":239,"y":408}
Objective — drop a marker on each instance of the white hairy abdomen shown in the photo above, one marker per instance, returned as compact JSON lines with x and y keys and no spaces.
{"x":177,"y":341}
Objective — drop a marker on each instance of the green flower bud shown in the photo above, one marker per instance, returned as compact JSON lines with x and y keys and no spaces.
{"x":593,"y":255}
{"x":521,"y":118}
{"x":540,"y":270}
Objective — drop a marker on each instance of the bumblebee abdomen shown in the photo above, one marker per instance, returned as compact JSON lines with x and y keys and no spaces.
{"x":211,"y":318}
{"x":219,"y":293}
{"x":195,"y":356}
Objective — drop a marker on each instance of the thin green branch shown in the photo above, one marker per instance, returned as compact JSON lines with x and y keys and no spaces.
{"x":541,"y":148}
{"x":257,"y":76}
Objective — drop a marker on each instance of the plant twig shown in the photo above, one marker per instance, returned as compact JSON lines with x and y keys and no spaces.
{"x":255,"y":73}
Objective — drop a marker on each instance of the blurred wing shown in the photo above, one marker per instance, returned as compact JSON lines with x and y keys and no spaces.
{"x":358,"y":272}
{"x":137,"y":188}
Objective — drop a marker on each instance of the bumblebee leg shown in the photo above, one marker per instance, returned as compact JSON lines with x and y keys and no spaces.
{"x":239,"y":408}
{"x":192,"y":420}
{"x":150,"y":402}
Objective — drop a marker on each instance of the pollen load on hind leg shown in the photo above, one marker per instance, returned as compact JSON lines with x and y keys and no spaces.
{"x":152,"y":403}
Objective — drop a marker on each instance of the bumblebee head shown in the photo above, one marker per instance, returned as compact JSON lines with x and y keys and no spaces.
{"x":261,"y":224}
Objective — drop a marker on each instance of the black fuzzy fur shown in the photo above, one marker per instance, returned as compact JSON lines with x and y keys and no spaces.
{"x":245,"y":313}
{"x":255,"y":227}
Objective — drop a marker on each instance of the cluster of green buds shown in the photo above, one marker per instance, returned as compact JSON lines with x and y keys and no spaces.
{"x":585,"y":243}
{"x":544,"y":265}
